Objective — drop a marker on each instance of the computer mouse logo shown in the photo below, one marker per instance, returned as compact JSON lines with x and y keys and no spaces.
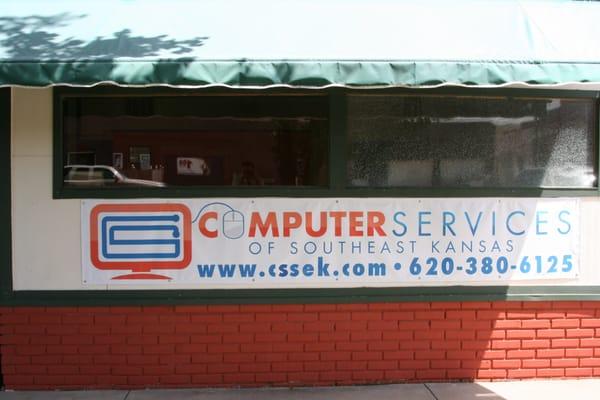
{"x":140,"y":238}
{"x":212,"y":223}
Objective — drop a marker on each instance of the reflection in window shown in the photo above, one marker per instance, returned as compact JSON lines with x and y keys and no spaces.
{"x":160,"y":141}
{"x":442,"y":141}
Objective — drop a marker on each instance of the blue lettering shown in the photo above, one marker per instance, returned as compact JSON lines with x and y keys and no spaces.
{"x":424,"y":222}
{"x":402,"y":224}
{"x":508,"y":223}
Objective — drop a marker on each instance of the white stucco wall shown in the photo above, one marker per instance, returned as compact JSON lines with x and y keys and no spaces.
{"x":46,"y":233}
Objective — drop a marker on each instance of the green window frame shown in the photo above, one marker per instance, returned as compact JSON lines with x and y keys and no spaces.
{"x":337,"y":100}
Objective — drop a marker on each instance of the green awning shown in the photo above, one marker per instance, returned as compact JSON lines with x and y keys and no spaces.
{"x":299,"y":43}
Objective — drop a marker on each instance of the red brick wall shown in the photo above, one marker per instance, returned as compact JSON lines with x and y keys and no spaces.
{"x":259,"y":345}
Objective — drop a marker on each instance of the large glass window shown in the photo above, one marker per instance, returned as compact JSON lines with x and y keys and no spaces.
{"x":217,"y":140}
{"x":453,"y":141}
{"x":279,"y":143}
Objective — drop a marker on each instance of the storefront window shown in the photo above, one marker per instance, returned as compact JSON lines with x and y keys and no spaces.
{"x":212,"y":140}
{"x":453,"y":141}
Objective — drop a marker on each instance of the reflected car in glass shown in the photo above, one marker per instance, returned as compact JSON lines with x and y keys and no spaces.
{"x":101,"y":176}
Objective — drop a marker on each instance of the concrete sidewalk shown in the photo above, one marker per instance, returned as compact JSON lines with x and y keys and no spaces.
{"x":523,"y":390}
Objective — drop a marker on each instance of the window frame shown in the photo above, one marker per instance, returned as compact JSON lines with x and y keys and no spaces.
{"x":338,"y":186}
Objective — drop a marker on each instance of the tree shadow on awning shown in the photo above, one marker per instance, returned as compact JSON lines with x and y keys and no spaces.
{"x":33,"y":38}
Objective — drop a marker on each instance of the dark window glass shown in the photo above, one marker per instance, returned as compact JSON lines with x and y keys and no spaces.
{"x":159,"y":141}
{"x":445,"y":141}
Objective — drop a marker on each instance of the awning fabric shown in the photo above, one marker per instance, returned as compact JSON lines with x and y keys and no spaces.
{"x":299,"y":43}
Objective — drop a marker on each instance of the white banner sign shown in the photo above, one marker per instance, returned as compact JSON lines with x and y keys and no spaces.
{"x":276,"y":242}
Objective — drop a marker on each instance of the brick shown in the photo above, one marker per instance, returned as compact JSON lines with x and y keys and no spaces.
{"x":313,"y":356}
{"x":351,"y":346}
{"x":284,"y":327}
{"x":520,"y":334}
{"x":589,"y":362}
{"x":507,"y":324}
{"x":238,"y":317}
{"x":303,"y":337}
{"x":128,"y":370}
{"x":479,"y":324}
{"x":334,"y":336}
{"x":136,"y":359}
{"x":550,"y":333}
{"x":271,"y":377}
{"x":463,"y":314}
{"x":398,"y":355}
{"x":191,"y":369}
{"x":565,"y":323}
{"x":579,"y":372}
{"x":429,"y":334}
{"x":462,"y":354}
{"x":579,"y":353}
{"x":492,"y":354}
{"x":367,"y":375}
{"x":175,"y":379}
{"x":564,"y":362}
{"x":127,"y":349}
{"x":350,"y":365}
{"x":580,"y":333}
{"x":207,"y":379}
{"x":303,"y":377}
{"x":430,"y":355}
{"x":508,"y":364}
{"x":336,"y":356}
{"x":351,"y":326}
{"x":271,"y":317}
{"x":446,"y":344}
{"x":545,"y":363}
{"x":476,"y":305}
{"x":224,"y":308}
{"x":384,"y":306}
{"x":399,"y":376}
{"x":520,"y":354}
{"x":287,"y":367}
{"x":303,"y":317}
{"x":209,"y":348}
{"x":397,"y":335}
{"x":551,"y":353}
{"x":589,"y":342}
{"x":415,"y":345}
{"x":491,"y":374}
{"x":239,"y":358}
{"x":366,"y":335}
{"x":445,"y":324}
{"x":233,"y":328}
{"x":383,"y":346}
{"x":505,"y":344}
{"x":335,"y":376}
{"x":238,"y":338}
{"x":521,"y":373}
{"x":556,"y":343}
{"x":416,"y":325}
{"x":196,"y":339}
{"x":462,"y":334}
{"x":398,"y":316}
{"x":160,"y":348}
{"x":590,"y":323}
{"x":319,"y":326}
{"x":322,"y":346}
{"x":225,"y":368}
{"x":270,"y":337}
{"x":293,"y":347}
{"x":550,"y":372}
{"x":535,"y":344}
{"x":335,"y":316}
{"x":445,"y":364}
{"x":535,"y":324}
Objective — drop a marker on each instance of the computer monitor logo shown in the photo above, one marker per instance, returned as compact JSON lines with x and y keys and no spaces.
{"x":140,"y":238}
